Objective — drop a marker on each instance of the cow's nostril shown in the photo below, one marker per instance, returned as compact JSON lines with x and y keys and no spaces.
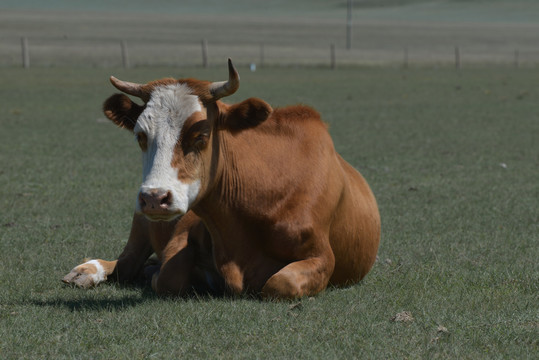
{"x":166,"y":200}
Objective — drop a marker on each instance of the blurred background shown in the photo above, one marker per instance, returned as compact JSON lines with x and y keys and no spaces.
{"x":132,"y":33}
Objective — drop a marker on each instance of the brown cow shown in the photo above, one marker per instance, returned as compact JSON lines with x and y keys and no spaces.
{"x":287,"y":215}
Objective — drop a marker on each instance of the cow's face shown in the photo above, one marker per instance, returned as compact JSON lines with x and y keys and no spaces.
{"x":173,"y":133}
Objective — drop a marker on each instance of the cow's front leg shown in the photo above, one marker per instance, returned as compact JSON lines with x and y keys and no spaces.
{"x":184,"y":258}
{"x":300,"y":278}
{"x":125,"y":269}
{"x":91,"y":273}
{"x":174,"y":276}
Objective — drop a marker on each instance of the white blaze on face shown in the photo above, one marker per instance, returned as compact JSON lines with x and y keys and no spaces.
{"x":162,"y":121}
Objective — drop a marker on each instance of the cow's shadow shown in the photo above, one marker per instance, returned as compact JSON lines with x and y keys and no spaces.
{"x":80,"y":299}
{"x":85,"y":300}
{"x":79,"y":303}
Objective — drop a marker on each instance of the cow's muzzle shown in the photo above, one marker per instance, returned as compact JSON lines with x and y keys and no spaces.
{"x":156,"y":204}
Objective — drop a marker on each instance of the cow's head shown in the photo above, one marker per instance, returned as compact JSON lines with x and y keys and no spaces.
{"x":173,"y":131}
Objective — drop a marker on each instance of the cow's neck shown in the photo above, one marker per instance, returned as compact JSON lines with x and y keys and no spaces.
{"x":222,"y":187}
{"x":240,"y":182}
{"x":213,"y":207}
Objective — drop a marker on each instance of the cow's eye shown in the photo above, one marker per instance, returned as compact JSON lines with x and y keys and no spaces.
{"x":200,"y":140}
{"x":142,"y":140}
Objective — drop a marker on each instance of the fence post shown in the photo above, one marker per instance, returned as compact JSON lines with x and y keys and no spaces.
{"x":125,"y":54}
{"x":204,"y":53}
{"x":332,"y":56}
{"x":25,"y":53}
{"x":457,"y":58}
{"x":349,"y":25}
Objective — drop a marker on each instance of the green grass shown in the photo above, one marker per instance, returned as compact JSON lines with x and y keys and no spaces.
{"x":452,"y":157}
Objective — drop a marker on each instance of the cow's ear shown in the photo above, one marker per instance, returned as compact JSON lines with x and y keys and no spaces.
{"x":246,"y":114}
{"x":122,"y":111}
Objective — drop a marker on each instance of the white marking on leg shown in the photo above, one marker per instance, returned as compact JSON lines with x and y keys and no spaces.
{"x":100,"y":275}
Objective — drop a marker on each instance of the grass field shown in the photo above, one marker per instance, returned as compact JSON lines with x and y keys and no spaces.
{"x":452,"y":157}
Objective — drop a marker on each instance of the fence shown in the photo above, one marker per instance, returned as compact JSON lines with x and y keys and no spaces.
{"x":88,"y":52}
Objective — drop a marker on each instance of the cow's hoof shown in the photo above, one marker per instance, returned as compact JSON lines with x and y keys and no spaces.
{"x":86,"y":275}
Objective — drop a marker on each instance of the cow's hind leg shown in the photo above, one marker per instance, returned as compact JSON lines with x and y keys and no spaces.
{"x":301,"y":278}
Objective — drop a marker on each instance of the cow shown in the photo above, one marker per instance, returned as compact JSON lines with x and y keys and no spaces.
{"x":243,"y":197}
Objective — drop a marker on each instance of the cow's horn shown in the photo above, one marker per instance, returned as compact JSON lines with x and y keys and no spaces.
{"x":225,"y":88}
{"x":130,"y":88}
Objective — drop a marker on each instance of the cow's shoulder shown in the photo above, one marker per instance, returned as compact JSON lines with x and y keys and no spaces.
{"x":297,"y":114}
{"x":299,"y":119}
